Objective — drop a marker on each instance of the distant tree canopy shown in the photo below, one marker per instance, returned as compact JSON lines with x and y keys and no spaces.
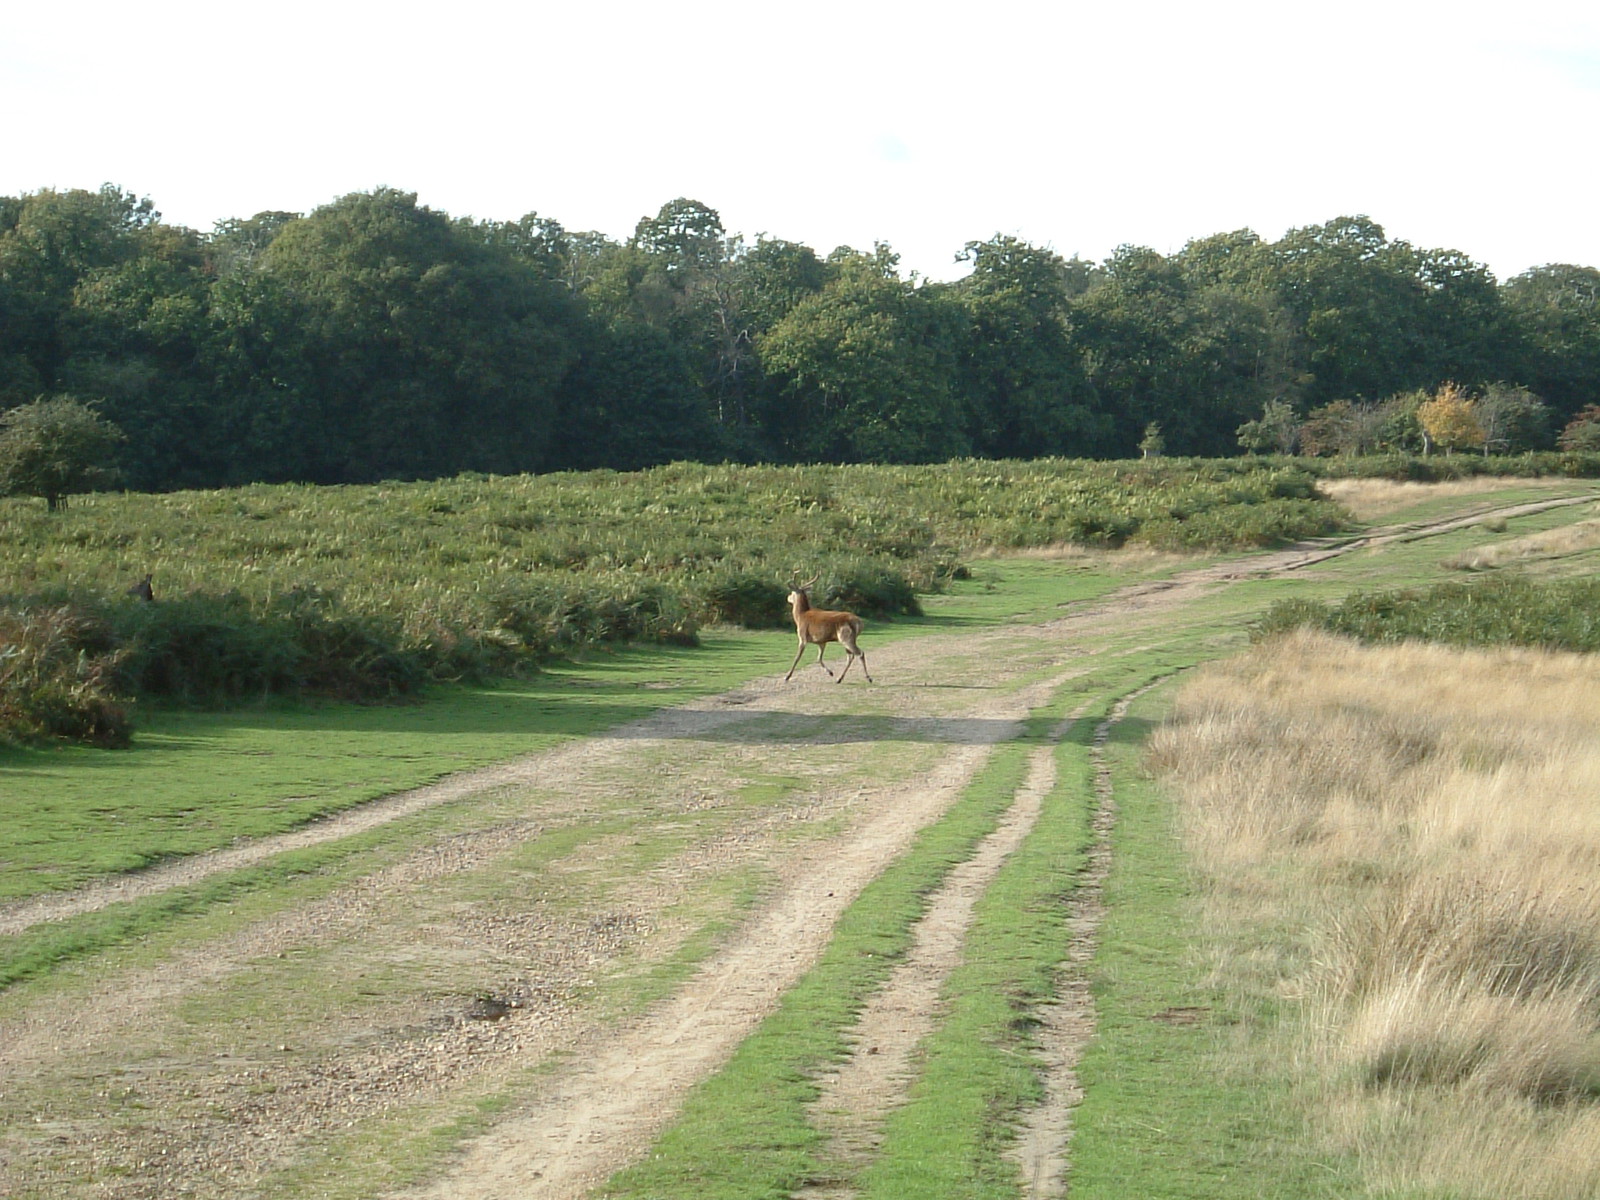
{"x":378,"y":338}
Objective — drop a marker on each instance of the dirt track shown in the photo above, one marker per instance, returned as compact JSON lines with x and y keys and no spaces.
{"x":489,"y":960}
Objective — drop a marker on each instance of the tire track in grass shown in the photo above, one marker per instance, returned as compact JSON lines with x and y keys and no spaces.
{"x":686,"y":722}
{"x":933,"y":1120}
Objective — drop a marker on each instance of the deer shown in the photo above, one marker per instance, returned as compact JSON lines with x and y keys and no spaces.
{"x":817,"y":627}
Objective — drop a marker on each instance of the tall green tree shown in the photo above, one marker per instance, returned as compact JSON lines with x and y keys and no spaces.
{"x":235,"y":244}
{"x":687,"y":285}
{"x":1022,"y":368}
{"x":106,"y":302}
{"x":865,"y":369}
{"x":632,"y":401}
{"x":1460,"y":329}
{"x":50,"y":242}
{"x":684,"y":237}
{"x":741,"y":302}
{"x":421,"y":349}
{"x":1377,"y":317}
{"x":1556,"y":310}
{"x":1351,"y":308}
{"x":1131,"y":323}
{"x":714,"y":295}
{"x":1155,"y":350}
{"x":138,"y":336}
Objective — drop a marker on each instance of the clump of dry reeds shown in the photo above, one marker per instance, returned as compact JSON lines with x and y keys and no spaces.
{"x":1424,"y":823}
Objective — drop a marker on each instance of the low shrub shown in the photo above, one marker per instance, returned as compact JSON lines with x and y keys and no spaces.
{"x":220,"y":649}
{"x":366,"y":592}
{"x":550,"y":613}
{"x":205,"y":649}
{"x":1500,"y":610}
{"x":747,"y":598}
{"x":1272,"y":522}
{"x":58,"y":672}
{"x":866,"y":589}
{"x":1436,"y":468}
{"x":348,"y":656}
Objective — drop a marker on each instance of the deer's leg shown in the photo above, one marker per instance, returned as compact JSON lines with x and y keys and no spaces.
{"x":855,"y":652}
{"x":796,"y":661}
{"x":822,"y":648}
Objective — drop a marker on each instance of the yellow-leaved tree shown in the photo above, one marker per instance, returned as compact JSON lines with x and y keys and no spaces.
{"x":1449,"y":419}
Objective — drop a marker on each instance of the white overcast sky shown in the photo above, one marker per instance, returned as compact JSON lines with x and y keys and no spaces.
{"x":1078,"y":126}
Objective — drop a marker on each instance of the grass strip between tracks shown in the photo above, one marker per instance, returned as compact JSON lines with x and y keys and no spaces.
{"x":293,"y":876}
{"x":950,"y":1137}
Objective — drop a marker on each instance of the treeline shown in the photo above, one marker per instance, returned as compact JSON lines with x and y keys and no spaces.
{"x":376,"y":338}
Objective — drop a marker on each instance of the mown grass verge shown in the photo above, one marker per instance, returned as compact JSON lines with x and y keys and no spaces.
{"x":38,"y":951}
{"x":1164,"y":1115}
{"x":199,"y":780}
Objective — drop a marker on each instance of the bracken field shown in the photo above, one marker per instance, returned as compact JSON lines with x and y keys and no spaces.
{"x":369,"y":592}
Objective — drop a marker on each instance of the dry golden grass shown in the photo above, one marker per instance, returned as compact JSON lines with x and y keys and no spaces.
{"x":1133,"y":557}
{"x":1372,"y":499}
{"x":1404,"y":842}
{"x":1566,"y":540}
